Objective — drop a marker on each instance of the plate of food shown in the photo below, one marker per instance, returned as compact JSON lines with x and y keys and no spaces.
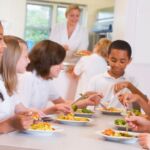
{"x":42,"y":128}
{"x":111,"y":111}
{"x":121,"y":124}
{"x":131,"y":112}
{"x":71,"y":119}
{"x":82,"y":53}
{"x":118,"y":136}
{"x":84,"y":113}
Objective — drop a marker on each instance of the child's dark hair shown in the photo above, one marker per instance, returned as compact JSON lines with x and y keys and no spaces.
{"x":120,"y":45}
{"x":44,"y":55}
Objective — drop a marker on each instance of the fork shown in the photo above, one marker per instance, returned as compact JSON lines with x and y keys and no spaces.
{"x":105,"y":107}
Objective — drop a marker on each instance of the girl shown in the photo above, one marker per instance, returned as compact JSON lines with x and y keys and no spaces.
{"x":10,"y":67}
{"x":89,"y":66}
{"x":18,"y":121}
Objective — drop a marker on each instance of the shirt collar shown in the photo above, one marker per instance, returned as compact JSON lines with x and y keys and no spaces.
{"x":107,"y":75}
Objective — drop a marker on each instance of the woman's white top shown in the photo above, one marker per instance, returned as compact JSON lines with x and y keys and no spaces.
{"x":7,"y":106}
{"x":35,"y":91}
{"x":77,"y":41}
{"x":105,"y":83}
{"x":86,"y":68}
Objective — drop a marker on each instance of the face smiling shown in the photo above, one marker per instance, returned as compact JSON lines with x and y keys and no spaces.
{"x":73,"y":16}
{"x":118,"y":60}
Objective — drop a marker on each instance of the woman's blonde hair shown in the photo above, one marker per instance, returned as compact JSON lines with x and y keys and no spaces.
{"x":71,"y":7}
{"x":102,"y":47}
{"x":8,"y":64}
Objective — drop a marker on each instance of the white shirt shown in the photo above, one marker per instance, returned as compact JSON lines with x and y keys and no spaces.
{"x":7,"y":106}
{"x":86,"y":68}
{"x":77,"y":41}
{"x":105,"y":83}
{"x":35,"y":92}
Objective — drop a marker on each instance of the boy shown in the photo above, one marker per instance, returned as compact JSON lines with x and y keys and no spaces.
{"x":115,"y":81}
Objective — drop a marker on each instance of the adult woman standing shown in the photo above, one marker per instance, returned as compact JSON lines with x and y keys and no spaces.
{"x":70,"y":34}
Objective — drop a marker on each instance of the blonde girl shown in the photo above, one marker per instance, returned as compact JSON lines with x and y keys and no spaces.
{"x":8,"y":120}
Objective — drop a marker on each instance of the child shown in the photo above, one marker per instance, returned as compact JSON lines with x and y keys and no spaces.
{"x":10,"y":66}
{"x":18,"y":121}
{"x":115,"y":79}
{"x":89,"y":66}
{"x":46,"y":63}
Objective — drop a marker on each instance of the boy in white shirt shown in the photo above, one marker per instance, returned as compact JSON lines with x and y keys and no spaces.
{"x":115,"y":81}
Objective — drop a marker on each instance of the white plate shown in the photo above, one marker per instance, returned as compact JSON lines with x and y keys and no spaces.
{"x":119,"y":139}
{"x":122,"y":127}
{"x":74,"y":122}
{"x":48,"y":117}
{"x":87,"y":115}
{"x":111,"y":112}
{"x":42,"y":132}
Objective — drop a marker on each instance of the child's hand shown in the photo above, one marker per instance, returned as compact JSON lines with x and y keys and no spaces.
{"x":63,"y":108}
{"x":128,"y":98}
{"x":94,"y":99}
{"x":138,"y":123}
{"x":144,"y":140}
{"x":119,"y":86}
{"x":22,"y":120}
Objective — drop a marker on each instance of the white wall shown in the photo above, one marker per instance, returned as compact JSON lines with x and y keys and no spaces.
{"x":13,"y":14}
{"x":132,"y":23}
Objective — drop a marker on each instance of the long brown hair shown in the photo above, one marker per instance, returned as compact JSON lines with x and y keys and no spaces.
{"x":8,"y":64}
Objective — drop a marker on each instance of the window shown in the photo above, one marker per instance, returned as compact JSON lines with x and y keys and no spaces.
{"x":61,"y":14}
{"x":38,"y":21}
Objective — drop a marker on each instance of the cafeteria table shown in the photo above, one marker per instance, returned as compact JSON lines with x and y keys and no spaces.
{"x":71,"y":138}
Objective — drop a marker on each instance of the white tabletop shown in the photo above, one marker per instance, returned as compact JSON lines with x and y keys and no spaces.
{"x":72,"y":138}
